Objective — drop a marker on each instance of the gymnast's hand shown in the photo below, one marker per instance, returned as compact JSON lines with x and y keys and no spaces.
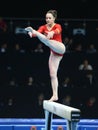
{"x":30,"y":34}
{"x":50,"y":34}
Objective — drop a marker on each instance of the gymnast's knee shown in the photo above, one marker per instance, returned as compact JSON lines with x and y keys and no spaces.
{"x":64,"y":48}
{"x":53,"y":76}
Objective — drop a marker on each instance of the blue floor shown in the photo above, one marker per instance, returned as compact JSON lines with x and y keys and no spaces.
{"x":39,"y":124}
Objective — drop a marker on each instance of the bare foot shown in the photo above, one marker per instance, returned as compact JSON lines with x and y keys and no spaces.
{"x":30,"y":29}
{"x":53,"y":98}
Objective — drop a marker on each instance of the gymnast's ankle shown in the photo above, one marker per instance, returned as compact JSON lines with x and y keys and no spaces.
{"x":53,"y":98}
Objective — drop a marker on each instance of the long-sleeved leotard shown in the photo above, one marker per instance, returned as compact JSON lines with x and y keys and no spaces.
{"x":57,"y":33}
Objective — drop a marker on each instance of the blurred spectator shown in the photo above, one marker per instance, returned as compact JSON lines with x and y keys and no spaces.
{"x":89,"y":79}
{"x":18,"y":48}
{"x":3,"y":30}
{"x":91,"y":48}
{"x":31,"y":85}
{"x":3,"y":25}
{"x":10,"y":102}
{"x":30,"y":81}
{"x":67,"y":100}
{"x":78,"y":47}
{"x":10,"y":107}
{"x":68,"y":43}
{"x":90,"y":109}
{"x":85,"y":65}
{"x":39,"y":48}
{"x":4,"y":48}
{"x":13,"y":82}
{"x":67,"y":82}
{"x":86,"y":76}
{"x":39,"y":111}
{"x":65,"y":87}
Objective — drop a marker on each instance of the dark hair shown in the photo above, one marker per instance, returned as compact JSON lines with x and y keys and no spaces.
{"x":53,"y":12}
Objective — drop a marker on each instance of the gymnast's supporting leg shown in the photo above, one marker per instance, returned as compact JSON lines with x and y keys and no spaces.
{"x":56,"y":46}
{"x":54,"y":61}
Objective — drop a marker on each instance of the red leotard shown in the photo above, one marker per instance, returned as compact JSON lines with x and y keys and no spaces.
{"x":43,"y":29}
{"x":57,"y":36}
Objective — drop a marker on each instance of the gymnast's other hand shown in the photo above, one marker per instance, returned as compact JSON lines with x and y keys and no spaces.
{"x":50,"y":34}
{"x":30,"y":34}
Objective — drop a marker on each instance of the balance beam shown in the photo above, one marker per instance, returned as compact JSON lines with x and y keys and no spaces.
{"x":72,"y":115}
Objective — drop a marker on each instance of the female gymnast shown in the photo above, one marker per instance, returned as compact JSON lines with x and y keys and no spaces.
{"x":50,"y":34}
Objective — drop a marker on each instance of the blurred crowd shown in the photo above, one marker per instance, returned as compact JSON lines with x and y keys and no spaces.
{"x":24,"y":82}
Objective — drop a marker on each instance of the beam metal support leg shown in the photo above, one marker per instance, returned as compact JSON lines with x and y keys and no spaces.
{"x":48,"y":120}
{"x":72,"y":125}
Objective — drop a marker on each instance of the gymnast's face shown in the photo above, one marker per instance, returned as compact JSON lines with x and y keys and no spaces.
{"x":50,"y":19}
